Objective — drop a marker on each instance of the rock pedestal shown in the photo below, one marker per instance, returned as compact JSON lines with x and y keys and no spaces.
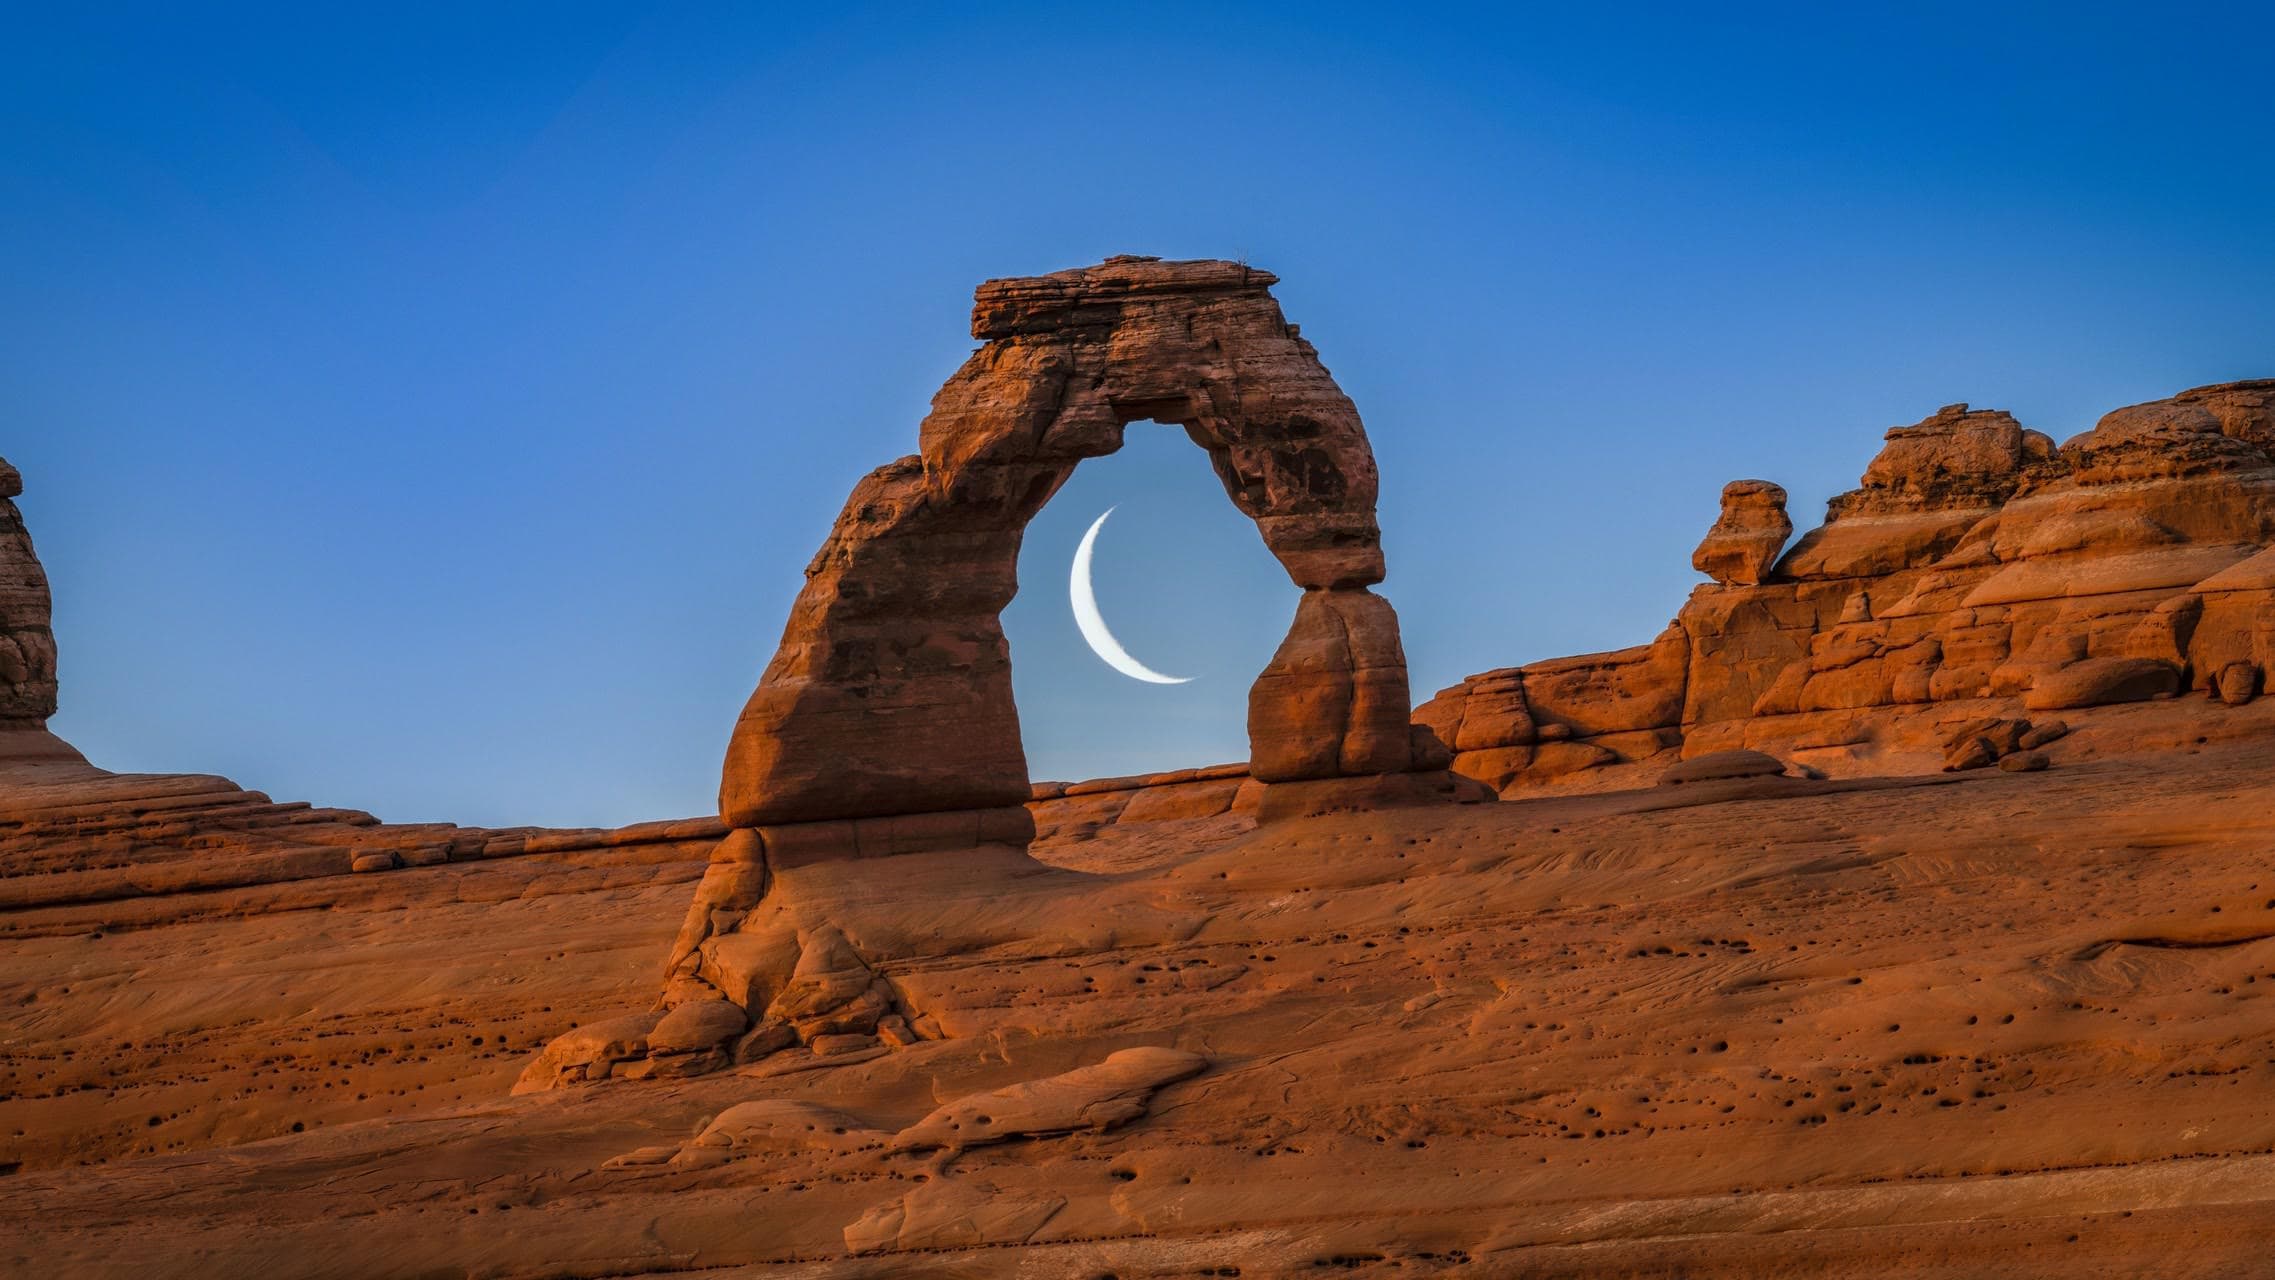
{"x":1744,"y":542}
{"x":1333,"y":702}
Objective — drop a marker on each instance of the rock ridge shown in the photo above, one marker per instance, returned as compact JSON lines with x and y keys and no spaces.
{"x":1976,"y":563}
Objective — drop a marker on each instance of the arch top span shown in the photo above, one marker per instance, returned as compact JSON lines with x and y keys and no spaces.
{"x":891,"y":692}
{"x":1201,"y":345}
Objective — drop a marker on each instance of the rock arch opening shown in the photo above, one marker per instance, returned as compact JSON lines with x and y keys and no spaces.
{"x":890,"y":694}
{"x":1186,"y":587}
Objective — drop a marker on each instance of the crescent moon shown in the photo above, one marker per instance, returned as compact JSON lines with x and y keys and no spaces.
{"x":1093,"y":624}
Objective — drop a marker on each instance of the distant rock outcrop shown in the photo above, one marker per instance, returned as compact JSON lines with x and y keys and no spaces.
{"x":1975,"y":561}
{"x":27,"y":638}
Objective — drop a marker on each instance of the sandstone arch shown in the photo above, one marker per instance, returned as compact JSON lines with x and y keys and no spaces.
{"x":885,"y":723}
{"x":891,"y":691}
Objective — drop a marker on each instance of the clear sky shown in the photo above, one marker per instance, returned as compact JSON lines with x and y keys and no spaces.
{"x":430,"y":408}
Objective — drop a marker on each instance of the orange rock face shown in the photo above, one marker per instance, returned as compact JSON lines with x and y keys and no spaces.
{"x":1977,"y":568}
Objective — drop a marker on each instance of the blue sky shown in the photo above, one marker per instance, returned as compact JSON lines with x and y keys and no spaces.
{"x":431,"y":409}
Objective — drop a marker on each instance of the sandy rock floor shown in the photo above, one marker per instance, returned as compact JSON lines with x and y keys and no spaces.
{"x":1956,"y":1025}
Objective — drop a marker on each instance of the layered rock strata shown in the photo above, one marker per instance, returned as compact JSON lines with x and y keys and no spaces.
{"x":1976,"y":563}
{"x":71,"y":835}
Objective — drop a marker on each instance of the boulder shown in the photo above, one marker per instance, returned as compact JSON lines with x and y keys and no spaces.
{"x":1746,"y":539}
{"x":2178,"y":438}
{"x":1564,"y":757}
{"x":735,"y":882}
{"x":698,"y":1024}
{"x":1505,"y":724}
{"x":768,"y":1037}
{"x":783,"y":1124}
{"x":2099,"y":681}
{"x":832,"y":991}
{"x":1177,"y":801}
{"x":1738,"y":762}
{"x":1630,"y":690}
{"x":749,"y":967}
{"x":837,"y":1044}
{"x":587,"y":1053}
{"x":2043,"y":732}
{"x":2002,"y":735}
{"x":2237,"y":683}
{"x":2157,"y":422}
{"x":1970,"y":753}
{"x":672,"y":1066}
{"x":1956,"y":456}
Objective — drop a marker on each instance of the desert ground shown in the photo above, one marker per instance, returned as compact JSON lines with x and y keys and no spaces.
{"x":1949,"y":1025}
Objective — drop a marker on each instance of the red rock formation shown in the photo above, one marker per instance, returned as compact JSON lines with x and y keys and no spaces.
{"x":891,"y":691}
{"x":1976,"y":564}
{"x":27,"y":641}
{"x":1744,"y":543}
{"x":1561,"y":717}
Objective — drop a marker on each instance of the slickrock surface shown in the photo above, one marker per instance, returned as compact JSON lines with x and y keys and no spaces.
{"x":1978,"y":566}
{"x":1972,"y":1023}
{"x":188,"y":964}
